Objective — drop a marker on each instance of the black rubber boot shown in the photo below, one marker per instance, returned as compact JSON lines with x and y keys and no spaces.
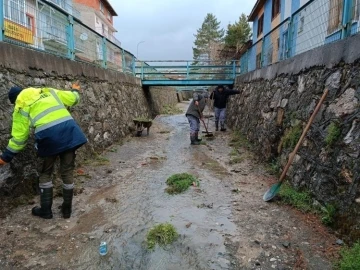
{"x":197,"y":137}
{"x":46,"y":198}
{"x":223,"y":127}
{"x":193,"y":140}
{"x":217,"y":126}
{"x":66,"y":206}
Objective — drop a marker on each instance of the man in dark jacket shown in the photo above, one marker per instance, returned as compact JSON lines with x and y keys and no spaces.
{"x":220,"y":97}
{"x":194,"y":114}
{"x":56,"y":134}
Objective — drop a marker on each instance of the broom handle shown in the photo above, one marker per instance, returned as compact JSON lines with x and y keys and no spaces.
{"x":292,"y":155}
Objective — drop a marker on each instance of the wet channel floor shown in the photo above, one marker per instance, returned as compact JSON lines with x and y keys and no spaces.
{"x":123,"y":199}
{"x":199,"y":217}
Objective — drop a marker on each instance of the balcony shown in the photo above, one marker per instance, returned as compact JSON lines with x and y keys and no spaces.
{"x":108,"y":35}
{"x":66,"y":7}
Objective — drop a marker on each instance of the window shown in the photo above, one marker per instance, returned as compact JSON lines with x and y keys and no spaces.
{"x":15,"y":11}
{"x":101,"y":6}
{"x":260,"y":25}
{"x":335,"y":16}
{"x":275,"y":8}
{"x":301,"y":26}
{"x":103,"y":31}
{"x":109,"y":15}
{"x":30,"y":22}
{"x":258,"y":61}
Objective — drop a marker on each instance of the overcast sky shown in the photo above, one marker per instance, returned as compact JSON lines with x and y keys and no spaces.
{"x":168,"y":26}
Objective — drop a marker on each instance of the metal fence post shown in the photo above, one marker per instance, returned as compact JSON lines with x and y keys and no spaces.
{"x":70,"y":38}
{"x":133,"y":65}
{"x":346,"y":19}
{"x":187,"y":70}
{"x":142,"y":70}
{"x":1,"y":21}
{"x":123,"y":60}
{"x":234,"y":69}
{"x":262,"y":52}
{"x":104,"y":62}
{"x":289,"y":38}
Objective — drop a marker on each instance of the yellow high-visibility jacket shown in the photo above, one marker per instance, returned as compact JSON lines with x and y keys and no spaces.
{"x":44,"y":110}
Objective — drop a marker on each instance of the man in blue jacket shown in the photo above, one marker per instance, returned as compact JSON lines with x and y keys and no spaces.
{"x":56,"y":134}
{"x":220,"y":96}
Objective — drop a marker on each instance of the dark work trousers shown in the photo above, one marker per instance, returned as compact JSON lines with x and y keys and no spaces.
{"x":67,"y":166}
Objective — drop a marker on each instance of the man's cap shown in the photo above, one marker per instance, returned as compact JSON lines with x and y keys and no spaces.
{"x":13,"y":93}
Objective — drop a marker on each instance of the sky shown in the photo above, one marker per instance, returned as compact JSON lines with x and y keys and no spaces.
{"x":167,"y":27}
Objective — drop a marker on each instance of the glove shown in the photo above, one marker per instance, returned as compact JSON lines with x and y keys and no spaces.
{"x":76,"y":86}
{"x":2,"y":162}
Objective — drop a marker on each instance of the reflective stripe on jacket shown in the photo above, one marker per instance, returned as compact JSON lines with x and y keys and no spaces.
{"x":42,"y":109}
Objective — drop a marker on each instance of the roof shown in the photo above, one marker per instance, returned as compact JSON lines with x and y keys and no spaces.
{"x":259,"y":4}
{"x":109,"y":7}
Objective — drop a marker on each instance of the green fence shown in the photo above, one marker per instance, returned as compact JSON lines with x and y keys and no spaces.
{"x":316,"y":23}
{"x":54,"y":27}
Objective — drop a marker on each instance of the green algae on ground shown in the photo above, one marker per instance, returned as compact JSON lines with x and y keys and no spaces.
{"x":180,"y":182}
{"x":162,"y":234}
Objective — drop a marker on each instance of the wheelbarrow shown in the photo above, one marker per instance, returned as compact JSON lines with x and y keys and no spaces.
{"x":141,"y":124}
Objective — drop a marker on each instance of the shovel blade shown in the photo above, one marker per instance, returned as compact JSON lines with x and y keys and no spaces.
{"x":271,"y":193}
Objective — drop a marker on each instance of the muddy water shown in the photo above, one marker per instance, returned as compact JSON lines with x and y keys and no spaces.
{"x":145,"y":204}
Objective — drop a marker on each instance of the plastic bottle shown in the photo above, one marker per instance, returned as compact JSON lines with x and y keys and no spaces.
{"x":103,"y":249}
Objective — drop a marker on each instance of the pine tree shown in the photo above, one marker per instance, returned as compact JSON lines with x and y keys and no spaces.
{"x":238,"y":33}
{"x":209,"y":33}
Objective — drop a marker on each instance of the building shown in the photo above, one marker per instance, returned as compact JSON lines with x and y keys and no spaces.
{"x":313,"y":23}
{"x":98,"y":15}
{"x":38,"y":24}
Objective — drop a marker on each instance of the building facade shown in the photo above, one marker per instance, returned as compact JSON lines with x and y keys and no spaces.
{"x":98,"y":15}
{"x":38,"y":24}
{"x":284,"y":28}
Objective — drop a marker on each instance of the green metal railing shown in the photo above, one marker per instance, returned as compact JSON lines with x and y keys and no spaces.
{"x":316,"y":23}
{"x":54,"y":27}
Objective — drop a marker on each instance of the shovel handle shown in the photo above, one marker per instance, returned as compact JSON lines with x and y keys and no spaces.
{"x":292,"y":155}
{"x":201,"y":118}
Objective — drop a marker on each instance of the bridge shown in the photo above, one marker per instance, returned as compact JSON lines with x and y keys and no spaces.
{"x":184,"y":73}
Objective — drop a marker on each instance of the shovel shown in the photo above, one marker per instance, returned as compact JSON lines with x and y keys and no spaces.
{"x":207,"y":133}
{"x":274,"y":189}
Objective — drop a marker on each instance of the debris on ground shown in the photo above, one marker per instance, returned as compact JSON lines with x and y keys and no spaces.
{"x":180,"y":182}
{"x":162,"y":234}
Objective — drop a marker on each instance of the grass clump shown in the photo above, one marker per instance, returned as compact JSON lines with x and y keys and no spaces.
{"x":170,"y":110}
{"x":292,"y":136}
{"x":304,"y":202}
{"x":180,"y":182}
{"x":162,"y":234}
{"x":300,"y":200}
{"x":274,"y":167}
{"x":333,"y":134}
{"x":328,"y":213}
{"x":350,"y":258}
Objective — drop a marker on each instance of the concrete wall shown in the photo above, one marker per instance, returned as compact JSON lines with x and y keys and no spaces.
{"x":277,"y":100}
{"x":110,"y":101}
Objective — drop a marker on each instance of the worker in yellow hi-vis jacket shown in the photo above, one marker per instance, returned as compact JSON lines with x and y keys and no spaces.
{"x":56,"y":134}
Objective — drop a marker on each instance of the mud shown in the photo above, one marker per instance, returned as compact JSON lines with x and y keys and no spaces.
{"x":223,"y":223}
